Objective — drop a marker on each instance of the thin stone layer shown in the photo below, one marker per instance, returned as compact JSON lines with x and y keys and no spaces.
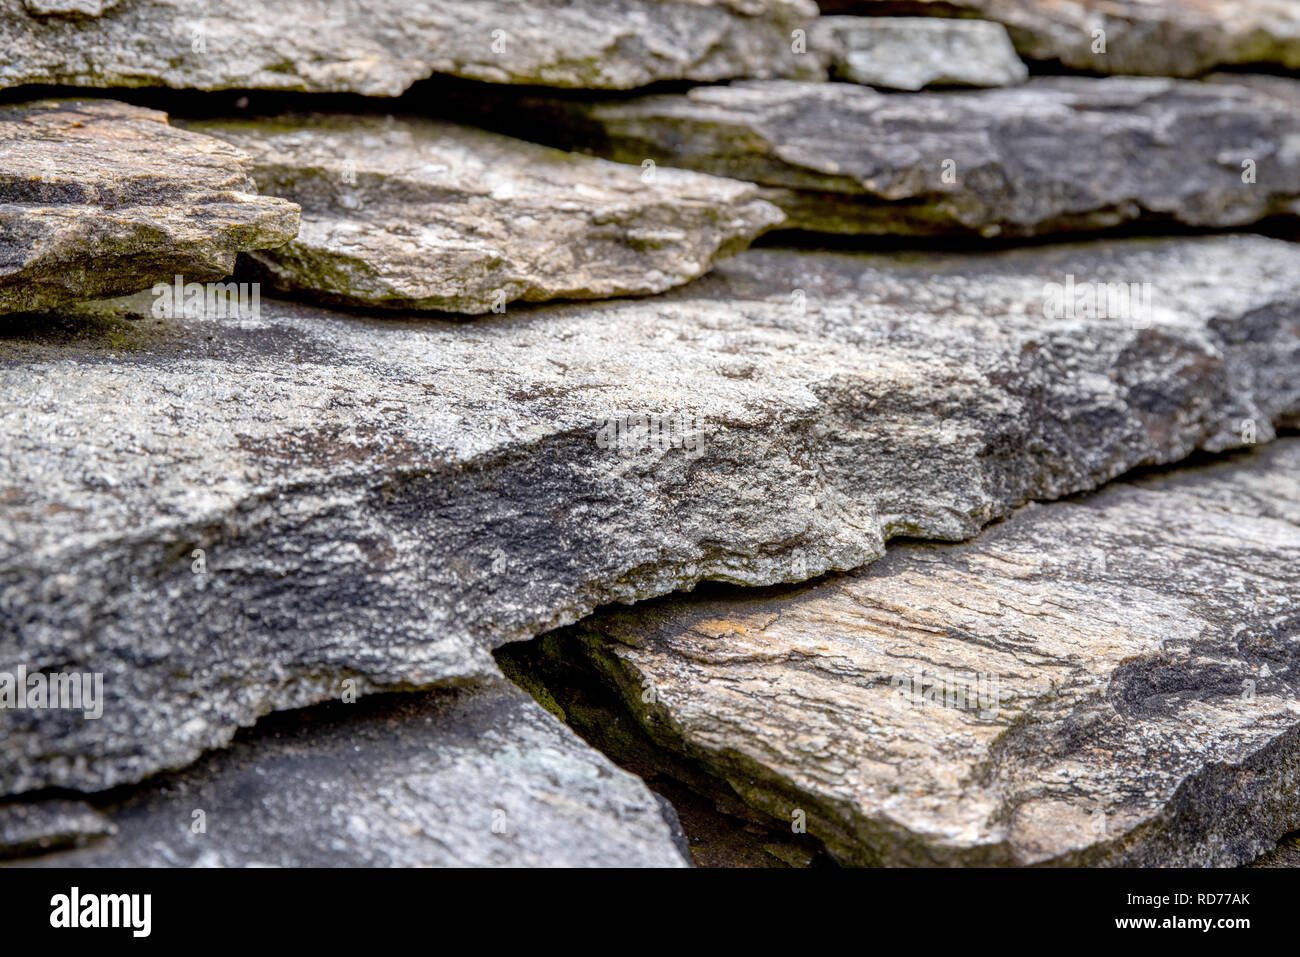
{"x":1057,"y":154}
{"x":98,"y":198}
{"x":1180,"y":38}
{"x":382,"y":47}
{"x":417,"y":214}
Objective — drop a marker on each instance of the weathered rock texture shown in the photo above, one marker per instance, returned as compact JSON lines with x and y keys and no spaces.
{"x":50,"y":824}
{"x":98,"y":198}
{"x":1058,"y":153}
{"x":1111,"y":680}
{"x":1286,"y":854}
{"x":231,"y":516}
{"x":424,"y":215}
{"x":909,"y":53}
{"x":475,"y":777}
{"x":381,"y":47}
{"x":1155,"y":37}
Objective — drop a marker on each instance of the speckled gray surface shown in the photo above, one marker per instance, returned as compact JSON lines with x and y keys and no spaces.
{"x":911,"y":53}
{"x":1155,"y":37}
{"x":387,"y":499}
{"x":473,"y":777}
{"x":381,"y":47}
{"x":34,"y":827}
{"x":1056,"y":154}
{"x":1109,"y":681}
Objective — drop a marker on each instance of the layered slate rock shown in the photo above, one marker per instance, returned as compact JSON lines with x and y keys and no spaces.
{"x":381,"y":47}
{"x":1111,"y":680}
{"x":1153,"y":37}
{"x":98,"y":198}
{"x":1056,"y":154}
{"x":474,"y":777}
{"x":226,"y":516}
{"x":424,"y":215}
{"x":910,"y":53}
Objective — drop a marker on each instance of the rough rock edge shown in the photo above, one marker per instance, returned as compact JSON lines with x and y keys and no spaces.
{"x":1227,"y":806}
{"x":1064,"y":408}
{"x":572,"y":227}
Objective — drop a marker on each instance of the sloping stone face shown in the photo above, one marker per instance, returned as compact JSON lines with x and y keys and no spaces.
{"x":381,"y":48}
{"x":98,"y":198}
{"x":1180,"y":38}
{"x":1054,"y":155}
{"x":226,"y":517}
{"x":476,"y":777}
{"x":410,"y":214}
{"x":1111,"y":680}
{"x":910,"y":53}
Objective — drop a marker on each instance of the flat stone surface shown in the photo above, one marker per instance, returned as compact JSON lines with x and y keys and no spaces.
{"x":229,"y":516}
{"x":1111,"y":680}
{"x":381,"y":47}
{"x":910,"y":53}
{"x":1055,"y":154}
{"x":476,"y":777}
{"x":99,"y":198}
{"x":412,"y":214}
{"x":1154,"y":37}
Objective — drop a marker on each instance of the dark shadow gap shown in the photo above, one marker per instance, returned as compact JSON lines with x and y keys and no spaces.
{"x":720,"y":829}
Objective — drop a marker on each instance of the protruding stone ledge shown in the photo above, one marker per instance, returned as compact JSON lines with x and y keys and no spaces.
{"x":416,"y":214}
{"x":98,"y":198}
{"x":1058,"y":154}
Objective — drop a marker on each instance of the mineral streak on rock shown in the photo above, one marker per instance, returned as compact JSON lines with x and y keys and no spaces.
{"x":1107,"y":681}
{"x":475,"y":777}
{"x":231,"y":516}
{"x":910,"y":53}
{"x":98,"y":198}
{"x":381,"y":47}
{"x":1056,"y":154}
{"x":417,"y":214}
{"x":1154,"y":37}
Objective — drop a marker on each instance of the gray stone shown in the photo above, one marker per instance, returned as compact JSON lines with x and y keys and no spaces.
{"x":230,"y":516}
{"x":32,"y":827}
{"x":474,"y":777}
{"x":416,"y":214}
{"x":1109,"y":681}
{"x":87,"y":8}
{"x":1153,"y":37}
{"x":1056,"y":154}
{"x":910,"y":53}
{"x":102,"y":199}
{"x":381,"y":47}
